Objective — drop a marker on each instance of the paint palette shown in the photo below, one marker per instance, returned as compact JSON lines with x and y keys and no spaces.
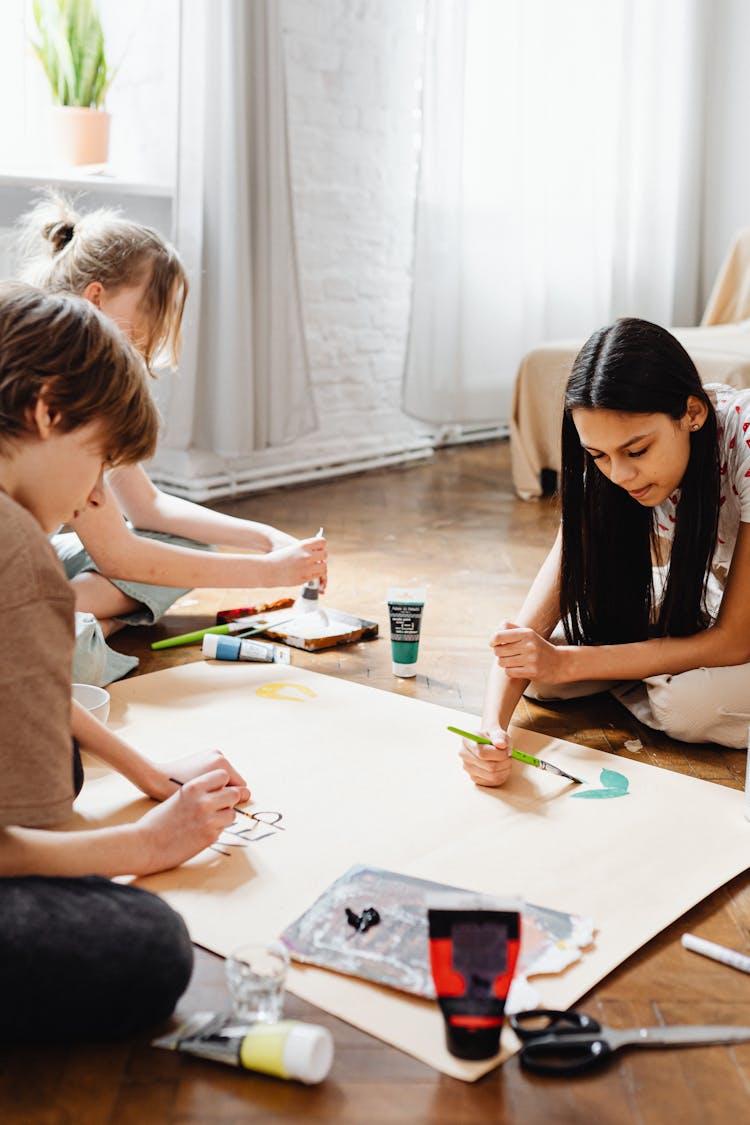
{"x":394,"y":951}
{"x":313,"y":631}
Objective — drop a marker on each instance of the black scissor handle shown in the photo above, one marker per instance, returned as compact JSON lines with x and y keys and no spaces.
{"x":564,"y":1052}
{"x":536,"y":1023}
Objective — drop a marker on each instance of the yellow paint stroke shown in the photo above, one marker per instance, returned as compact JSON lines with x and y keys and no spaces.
{"x":280,"y":691}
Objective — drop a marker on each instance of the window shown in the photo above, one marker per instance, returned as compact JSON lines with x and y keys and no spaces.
{"x":142,"y":40}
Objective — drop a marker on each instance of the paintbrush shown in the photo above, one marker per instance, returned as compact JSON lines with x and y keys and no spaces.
{"x":236,"y":808}
{"x":232,"y":628}
{"x":519,"y":755}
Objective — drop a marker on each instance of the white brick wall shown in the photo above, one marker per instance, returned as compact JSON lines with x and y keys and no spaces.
{"x":353,"y":101}
{"x":353,"y":70}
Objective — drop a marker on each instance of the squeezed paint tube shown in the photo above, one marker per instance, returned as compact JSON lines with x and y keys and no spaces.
{"x":405,"y":612}
{"x":307,"y":601}
{"x":474,"y":945}
{"x":287,"y":1049}
{"x":308,"y":597}
{"x":216,"y":647}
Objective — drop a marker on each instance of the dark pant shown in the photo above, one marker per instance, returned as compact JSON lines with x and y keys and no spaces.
{"x":87,"y":958}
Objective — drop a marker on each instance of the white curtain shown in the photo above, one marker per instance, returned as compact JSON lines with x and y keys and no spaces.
{"x":243,"y":384}
{"x":559,"y":185}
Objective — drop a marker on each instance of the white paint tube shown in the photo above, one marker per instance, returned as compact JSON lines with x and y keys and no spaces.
{"x":218,"y":647}
{"x":308,"y":595}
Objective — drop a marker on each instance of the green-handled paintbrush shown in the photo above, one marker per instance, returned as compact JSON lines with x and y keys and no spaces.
{"x":234,"y":628}
{"x":519,"y":755}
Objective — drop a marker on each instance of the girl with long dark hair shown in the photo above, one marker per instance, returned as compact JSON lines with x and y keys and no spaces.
{"x":647,"y":587}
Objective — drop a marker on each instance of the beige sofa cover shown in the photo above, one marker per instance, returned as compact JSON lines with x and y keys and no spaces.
{"x":720,"y":348}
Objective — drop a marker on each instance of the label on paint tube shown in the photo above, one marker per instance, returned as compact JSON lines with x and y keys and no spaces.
{"x":217,"y":647}
{"x":405,"y":608}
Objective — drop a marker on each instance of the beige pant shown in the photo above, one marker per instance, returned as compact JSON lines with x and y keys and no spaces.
{"x":702,"y":705}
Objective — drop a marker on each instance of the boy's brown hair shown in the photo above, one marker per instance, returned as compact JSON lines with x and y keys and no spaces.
{"x":64,"y":252}
{"x":59,"y":347}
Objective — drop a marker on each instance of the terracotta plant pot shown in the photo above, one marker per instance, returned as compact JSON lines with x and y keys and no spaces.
{"x":79,"y":136}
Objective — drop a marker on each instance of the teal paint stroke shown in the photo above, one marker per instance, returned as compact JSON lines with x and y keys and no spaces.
{"x":614,"y":784}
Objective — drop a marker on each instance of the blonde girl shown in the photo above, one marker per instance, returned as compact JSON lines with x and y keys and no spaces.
{"x":130,"y":573}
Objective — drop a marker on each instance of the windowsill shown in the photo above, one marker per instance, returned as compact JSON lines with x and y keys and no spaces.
{"x":99,"y":179}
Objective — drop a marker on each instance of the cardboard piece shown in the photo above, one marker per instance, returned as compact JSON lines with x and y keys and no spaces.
{"x":341,"y":629}
{"x":311,"y":630}
{"x":343,"y":774}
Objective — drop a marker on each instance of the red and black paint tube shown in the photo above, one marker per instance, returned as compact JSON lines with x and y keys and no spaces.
{"x":473,"y":953}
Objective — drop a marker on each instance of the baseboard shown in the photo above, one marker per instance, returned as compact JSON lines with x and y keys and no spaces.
{"x":202,"y":476}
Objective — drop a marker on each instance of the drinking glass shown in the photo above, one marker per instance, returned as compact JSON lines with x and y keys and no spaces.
{"x":256,"y":974}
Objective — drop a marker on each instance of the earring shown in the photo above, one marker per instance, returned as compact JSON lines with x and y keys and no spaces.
{"x":695,"y":427}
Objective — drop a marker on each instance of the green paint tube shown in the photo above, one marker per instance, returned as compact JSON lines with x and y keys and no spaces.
{"x":405,"y":608}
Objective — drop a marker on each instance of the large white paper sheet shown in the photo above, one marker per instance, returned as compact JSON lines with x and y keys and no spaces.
{"x":342,"y":773}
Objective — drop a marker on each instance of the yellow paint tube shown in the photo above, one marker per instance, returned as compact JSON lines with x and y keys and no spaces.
{"x":287,"y":1049}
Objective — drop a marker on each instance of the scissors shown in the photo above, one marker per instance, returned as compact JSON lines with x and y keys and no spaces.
{"x":556,"y":1042}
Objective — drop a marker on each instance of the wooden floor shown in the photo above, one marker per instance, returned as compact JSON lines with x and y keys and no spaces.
{"x":453,"y":525}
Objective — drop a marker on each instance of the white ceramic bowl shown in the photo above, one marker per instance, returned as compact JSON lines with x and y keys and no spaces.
{"x":94,"y":699}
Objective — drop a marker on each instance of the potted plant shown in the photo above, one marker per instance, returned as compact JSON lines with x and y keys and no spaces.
{"x":71,"y":50}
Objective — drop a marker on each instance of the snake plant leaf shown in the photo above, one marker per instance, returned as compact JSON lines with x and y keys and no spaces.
{"x":71,"y":51}
{"x":92,"y":71}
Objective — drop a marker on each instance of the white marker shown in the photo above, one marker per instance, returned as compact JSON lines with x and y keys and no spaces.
{"x":717,"y":952}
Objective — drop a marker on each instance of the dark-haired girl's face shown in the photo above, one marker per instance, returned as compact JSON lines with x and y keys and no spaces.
{"x":645,"y":454}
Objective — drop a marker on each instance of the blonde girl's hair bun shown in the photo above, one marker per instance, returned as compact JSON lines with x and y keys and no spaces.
{"x":43,"y":233}
{"x":58,"y":234}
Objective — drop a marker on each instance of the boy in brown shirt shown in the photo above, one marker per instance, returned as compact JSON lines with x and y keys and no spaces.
{"x":78,"y":953}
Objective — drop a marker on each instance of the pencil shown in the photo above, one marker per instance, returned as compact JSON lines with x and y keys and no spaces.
{"x":235,"y":807}
{"x":519,"y":755}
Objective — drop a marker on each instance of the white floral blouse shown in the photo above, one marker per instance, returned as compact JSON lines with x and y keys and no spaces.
{"x":733,"y":432}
